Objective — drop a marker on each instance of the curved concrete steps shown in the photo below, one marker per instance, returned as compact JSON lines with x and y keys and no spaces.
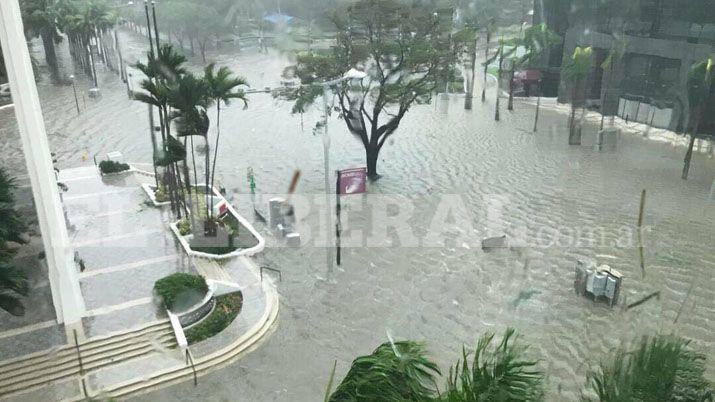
{"x":220,"y":358}
{"x":32,"y":372}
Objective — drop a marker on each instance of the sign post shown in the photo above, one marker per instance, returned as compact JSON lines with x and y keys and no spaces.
{"x":349,"y":181}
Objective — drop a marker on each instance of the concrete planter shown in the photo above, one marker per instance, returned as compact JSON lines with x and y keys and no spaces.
{"x":184,"y":240}
{"x":150,"y":192}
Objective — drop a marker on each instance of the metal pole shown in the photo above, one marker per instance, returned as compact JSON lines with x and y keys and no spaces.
{"x":76,"y":102}
{"x":148,"y":29}
{"x":326,"y":156}
{"x":337,"y":217}
{"x":156,"y":27}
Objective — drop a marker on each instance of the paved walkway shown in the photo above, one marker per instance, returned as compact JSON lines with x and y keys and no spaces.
{"x":125,"y":246}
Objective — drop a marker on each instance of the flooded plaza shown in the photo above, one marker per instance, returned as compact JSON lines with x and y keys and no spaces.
{"x":451,"y":177}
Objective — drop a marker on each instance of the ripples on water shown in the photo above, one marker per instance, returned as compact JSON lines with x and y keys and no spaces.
{"x":448,"y":295}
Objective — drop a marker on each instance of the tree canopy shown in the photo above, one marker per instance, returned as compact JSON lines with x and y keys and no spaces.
{"x":406,"y":51}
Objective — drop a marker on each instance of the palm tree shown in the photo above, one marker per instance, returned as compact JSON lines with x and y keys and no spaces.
{"x":13,"y":282}
{"x":162,"y":70}
{"x":490,"y":28}
{"x":220,"y":85}
{"x":660,"y":368}
{"x":395,"y":371}
{"x":189,"y":97}
{"x":496,"y":374}
{"x":698,"y":85}
{"x":575,"y":70}
{"x":618,"y":50}
{"x":40,"y":19}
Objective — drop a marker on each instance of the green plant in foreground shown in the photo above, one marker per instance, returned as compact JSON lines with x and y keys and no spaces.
{"x":661,"y":368}
{"x":180,"y":290}
{"x":227,"y":308}
{"x":13,"y":281}
{"x":496,"y":374}
{"x":108,"y":166}
{"x":399,"y":371}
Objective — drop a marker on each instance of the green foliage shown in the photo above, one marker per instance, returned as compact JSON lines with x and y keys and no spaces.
{"x":496,"y":374}
{"x":399,"y":371}
{"x":578,"y":65}
{"x":108,"y":166}
{"x":660,"y":368}
{"x":180,"y":290}
{"x":227,"y":308}
{"x":13,"y":281}
{"x":162,"y":194}
{"x":184,"y":226}
{"x":698,"y":85}
{"x":404,"y":48}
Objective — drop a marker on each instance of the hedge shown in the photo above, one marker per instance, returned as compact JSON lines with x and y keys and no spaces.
{"x":227,"y":308}
{"x":108,"y":166}
{"x":180,"y":291}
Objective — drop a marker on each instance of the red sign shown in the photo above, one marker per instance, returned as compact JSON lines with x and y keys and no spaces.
{"x":353,"y":181}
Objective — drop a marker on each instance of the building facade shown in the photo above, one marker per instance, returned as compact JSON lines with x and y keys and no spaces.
{"x":661,"y":40}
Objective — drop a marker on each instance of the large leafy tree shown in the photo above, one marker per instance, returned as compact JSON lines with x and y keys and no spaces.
{"x":403,"y":49}
{"x":659,"y":368}
{"x":13,"y":282}
{"x":222,"y":87}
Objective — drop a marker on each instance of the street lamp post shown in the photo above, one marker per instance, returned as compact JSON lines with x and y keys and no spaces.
{"x":76,"y":102}
{"x":353,"y":74}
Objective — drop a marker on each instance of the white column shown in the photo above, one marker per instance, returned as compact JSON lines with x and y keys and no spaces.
{"x":66,"y":293}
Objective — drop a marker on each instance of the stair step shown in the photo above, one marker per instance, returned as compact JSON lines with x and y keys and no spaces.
{"x":91,"y":363}
{"x":69,"y":350}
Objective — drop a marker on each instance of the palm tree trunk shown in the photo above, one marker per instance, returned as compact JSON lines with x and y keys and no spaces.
{"x":196,"y":175}
{"x":510,"y":105}
{"x":538,"y":107}
{"x":218,"y":134}
{"x":486,"y":57}
{"x":689,"y":154}
{"x":470,"y":90}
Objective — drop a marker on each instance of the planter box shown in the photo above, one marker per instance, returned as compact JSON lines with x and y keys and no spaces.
{"x":184,"y":240}
{"x":149,"y":190}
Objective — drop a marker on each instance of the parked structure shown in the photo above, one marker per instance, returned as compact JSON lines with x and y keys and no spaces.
{"x":662,"y":40}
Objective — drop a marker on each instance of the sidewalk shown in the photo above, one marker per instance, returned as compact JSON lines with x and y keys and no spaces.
{"x":125,"y":246}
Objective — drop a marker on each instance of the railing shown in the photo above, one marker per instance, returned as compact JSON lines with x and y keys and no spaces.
{"x":190,"y":359}
{"x":81,"y":366}
{"x":280,"y":277}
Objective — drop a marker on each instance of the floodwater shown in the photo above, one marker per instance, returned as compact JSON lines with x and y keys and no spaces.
{"x":446,"y":295}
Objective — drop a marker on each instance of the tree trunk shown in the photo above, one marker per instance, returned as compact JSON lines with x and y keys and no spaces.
{"x":191,"y":45}
{"x":536,"y":115}
{"x":372,"y":153}
{"x":49,"y":45}
{"x":218,"y":135}
{"x":574,"y":131}
{"x":486,"y":57}
{"x":510,"y":105}
{"x":689,"y":154}
{"x":470,"y":90}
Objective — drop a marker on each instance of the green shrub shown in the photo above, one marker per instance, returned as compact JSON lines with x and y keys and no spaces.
{"x":180,"y":291}
{"x":227,"y":308}
{"x":112,"y":167}
{"x":161,"y":195}
{"x":184,"y":227}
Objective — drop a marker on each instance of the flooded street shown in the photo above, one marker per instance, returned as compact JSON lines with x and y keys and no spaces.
{"x":548,"y":194}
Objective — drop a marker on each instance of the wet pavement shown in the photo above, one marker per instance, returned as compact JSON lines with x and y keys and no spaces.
{"x":446,"y":295}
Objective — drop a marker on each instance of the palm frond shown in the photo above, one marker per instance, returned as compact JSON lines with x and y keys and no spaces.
{"x":501,"y":373}
{"x":660,"y":368}
{"x":397,"y":371}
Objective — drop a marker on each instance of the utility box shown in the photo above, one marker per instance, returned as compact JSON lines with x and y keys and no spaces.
{"x":597,"y":282}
